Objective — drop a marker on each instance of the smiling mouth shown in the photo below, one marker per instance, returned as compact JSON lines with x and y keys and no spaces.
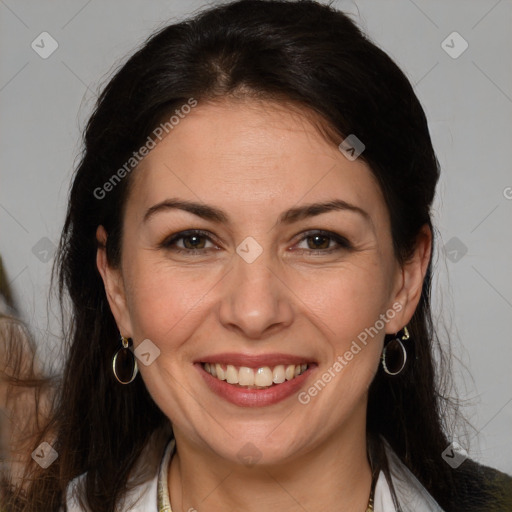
{"x":263,"y":377}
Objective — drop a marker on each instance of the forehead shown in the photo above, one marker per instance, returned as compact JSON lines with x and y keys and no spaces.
{"x":254,"y":155}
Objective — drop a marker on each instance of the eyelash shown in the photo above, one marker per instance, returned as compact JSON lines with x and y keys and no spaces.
{"x":343,"y":243}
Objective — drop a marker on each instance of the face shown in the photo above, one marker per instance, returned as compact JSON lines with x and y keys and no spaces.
{"x":224,"y":263}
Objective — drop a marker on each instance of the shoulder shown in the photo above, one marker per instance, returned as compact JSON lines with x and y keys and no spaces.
{"x":141,"y":498}
{"x":74,"y":494}
{"x":476,"y":488}
{"x":142,"y":487}
{"x":403,"y":490}
{"x":482,"y":488}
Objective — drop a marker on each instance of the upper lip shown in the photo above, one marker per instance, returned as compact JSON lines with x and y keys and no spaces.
{"x":254,"y":360}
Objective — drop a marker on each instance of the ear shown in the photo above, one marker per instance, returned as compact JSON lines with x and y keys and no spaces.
{"x":410,"y":283}
{"x":114,"y":285}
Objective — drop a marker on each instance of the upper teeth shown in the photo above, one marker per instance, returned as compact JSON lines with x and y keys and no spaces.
{"x":260,"y":377}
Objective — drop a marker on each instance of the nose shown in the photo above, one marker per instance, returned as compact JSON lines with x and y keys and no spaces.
{"x":256,"y":301}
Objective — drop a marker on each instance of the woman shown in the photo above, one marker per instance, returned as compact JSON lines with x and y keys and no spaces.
{"x":249,"y":229}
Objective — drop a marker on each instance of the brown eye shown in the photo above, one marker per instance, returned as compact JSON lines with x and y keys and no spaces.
{"x":193,"y":242}
{"x":322,"y":242}
{"x":318,"y":242}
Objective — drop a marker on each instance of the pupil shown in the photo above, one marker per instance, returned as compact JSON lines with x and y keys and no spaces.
{"x":316,"y":238}
{"x":193,"y":237}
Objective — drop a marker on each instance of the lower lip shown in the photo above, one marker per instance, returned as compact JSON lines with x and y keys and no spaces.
{"x":244,"y":397}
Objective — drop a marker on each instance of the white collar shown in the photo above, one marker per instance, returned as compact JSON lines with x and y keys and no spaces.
{"x":411,"y":495}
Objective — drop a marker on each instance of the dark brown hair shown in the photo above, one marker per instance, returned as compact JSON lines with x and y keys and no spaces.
{"x":309,"y":55}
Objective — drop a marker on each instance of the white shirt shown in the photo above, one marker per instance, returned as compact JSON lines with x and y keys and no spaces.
{"x":411,"y":495}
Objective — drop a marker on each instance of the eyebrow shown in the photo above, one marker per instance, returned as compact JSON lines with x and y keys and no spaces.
{"x":290,"y":216}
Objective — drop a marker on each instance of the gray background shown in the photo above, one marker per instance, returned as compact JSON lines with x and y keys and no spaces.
{"x":44,"y":104}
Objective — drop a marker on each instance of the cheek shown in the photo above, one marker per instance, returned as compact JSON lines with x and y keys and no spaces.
{"x":163,"y":301}
{"x":347,"y":299}
{"x":350,"y":307}
{"x":350,"y":302}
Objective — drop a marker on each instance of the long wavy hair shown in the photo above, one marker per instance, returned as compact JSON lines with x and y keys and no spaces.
{"x":313,"y":57}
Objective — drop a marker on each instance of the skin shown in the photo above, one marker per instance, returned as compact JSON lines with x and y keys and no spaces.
{"x":255,"y":160}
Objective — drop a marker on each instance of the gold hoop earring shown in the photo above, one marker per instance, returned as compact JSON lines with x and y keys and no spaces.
{"x":124,"y":363}
{"x":394,"y":355}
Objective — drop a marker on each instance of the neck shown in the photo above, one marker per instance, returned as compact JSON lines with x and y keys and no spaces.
{"x":335,"y":475}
